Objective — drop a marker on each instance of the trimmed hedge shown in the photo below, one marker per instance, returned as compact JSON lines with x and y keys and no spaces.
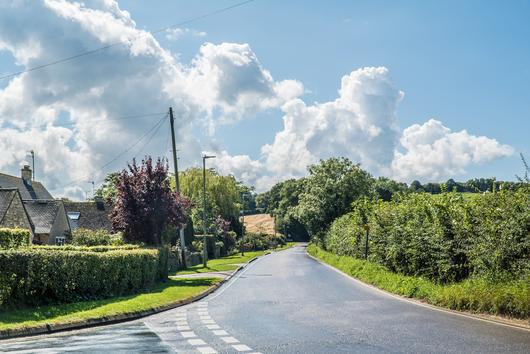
{"x":101,"y":237}
{"x":445,"y":238}
{"x":35,"y":276}
{"x":14,"y":238}
{"x":86,"y":248}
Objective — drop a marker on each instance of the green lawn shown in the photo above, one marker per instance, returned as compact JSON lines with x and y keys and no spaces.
{"x":228,"y":263}
{"x":162,"y":294}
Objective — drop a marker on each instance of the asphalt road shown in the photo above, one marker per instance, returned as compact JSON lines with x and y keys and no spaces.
{"x":289,"y":303}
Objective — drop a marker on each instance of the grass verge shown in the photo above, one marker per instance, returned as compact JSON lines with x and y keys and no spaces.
{"x":477,"y":295}
{"x":160,"y":295}
{"x":229,"y":263}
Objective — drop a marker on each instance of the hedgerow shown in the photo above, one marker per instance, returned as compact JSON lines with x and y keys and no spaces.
{"x":33,"y":276}
{"x":14,"y":238}
{"x":445,"y":238}
{"x":86,"y":248}
{"x":86,"y":237}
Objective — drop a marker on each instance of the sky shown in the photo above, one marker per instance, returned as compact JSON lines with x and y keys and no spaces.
{"x":425,"y":90}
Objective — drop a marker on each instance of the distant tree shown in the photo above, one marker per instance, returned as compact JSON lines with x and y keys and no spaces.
{"x":329,"y":191}
{"x":416,"y":186}
{"x":109,"y":189}
{"x":145,"y":205}
{"x":384,"y":188}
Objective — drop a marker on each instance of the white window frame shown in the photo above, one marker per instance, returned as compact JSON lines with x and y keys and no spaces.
{"x":60,"y":240}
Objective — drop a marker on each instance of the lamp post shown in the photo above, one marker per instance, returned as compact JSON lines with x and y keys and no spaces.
{"x":204,"y":246}
{"x":243,"y":231}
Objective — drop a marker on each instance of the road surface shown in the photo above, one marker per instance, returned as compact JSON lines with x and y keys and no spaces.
{"x":287,"y":302}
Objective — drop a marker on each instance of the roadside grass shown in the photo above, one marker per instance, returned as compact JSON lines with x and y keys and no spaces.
{"x":475,"y":294}
{"x":161,"y":294}
{"x":229,"y":263}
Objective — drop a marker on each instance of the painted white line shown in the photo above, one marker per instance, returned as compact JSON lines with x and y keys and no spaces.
{"x":181,"y":322}
{"x":212,"y":326}
{"x":220,"y":332}
{"x":202,"y":304}
{"x":206,"y":350}
{"x":229,"y":340}
{"x":415,"y":302}
{"x":208,"y":321}
{"x":241,"y":348}
{"x":203,"y":312}
{"x":196,"y":342}
{"x":183,"y":328}
{"x":205,"y":318}
{"x":189,"y":334}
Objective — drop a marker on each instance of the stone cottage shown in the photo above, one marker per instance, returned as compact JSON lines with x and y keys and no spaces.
{"x":13,"y":214}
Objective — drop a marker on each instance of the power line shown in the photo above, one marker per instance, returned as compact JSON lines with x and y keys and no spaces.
{"x":157,"y":125}
{"x":108,"y":46}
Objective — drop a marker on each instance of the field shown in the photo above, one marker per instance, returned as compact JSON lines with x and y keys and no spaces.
{"x":259,"y":223}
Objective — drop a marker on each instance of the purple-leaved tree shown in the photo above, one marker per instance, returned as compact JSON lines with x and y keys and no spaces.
{"x":145,"y":204}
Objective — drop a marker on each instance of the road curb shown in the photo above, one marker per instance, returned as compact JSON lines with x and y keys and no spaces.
{"x":49,"y":328}
{"x":506,"y":323}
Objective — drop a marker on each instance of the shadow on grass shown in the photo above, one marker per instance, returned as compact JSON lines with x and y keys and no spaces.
{"x":40,"y":313}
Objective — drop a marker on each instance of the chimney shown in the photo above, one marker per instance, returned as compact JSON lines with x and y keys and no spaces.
{"x":100,"y":204}
{"x":26,"y":174}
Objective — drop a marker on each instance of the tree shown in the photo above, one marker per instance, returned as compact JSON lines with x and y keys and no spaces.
{"x":145,"y":205}
{"x":416,"y":186}
{"x":329,"y":191}
{"x":109,"y":190}
{"x":385,"y":188}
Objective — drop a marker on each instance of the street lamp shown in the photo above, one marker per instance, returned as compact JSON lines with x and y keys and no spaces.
{"x":204,"y":247}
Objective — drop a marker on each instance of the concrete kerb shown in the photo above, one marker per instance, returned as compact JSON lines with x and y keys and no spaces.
{"x":125,"y":317}
{"x":485,"y":318}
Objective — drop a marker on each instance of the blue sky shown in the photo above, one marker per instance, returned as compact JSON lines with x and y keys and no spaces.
{"x":464,"y":64}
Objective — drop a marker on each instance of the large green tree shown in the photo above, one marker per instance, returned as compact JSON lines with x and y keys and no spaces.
{"x":329,"y":190}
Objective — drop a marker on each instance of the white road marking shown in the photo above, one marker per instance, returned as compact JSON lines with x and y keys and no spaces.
{"x":220,"y":332}
{"x":189,"y":334}
{"x":206,"y":350}
{"x":181,"y":322}
{"x":241,"y":348}
{"x":183,"y":328}
{"x":208,"y":321}
{"x":196,"y":342}
{"x":229,"y":340}
{"x":212,"y":326}
{"x":205,"y":317}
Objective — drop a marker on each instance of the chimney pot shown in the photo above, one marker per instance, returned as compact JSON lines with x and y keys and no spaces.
{"x":26,"y":174}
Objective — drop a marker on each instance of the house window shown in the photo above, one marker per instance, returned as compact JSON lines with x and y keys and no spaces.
{"x":74,"y":215}
{"x":60,"y":240}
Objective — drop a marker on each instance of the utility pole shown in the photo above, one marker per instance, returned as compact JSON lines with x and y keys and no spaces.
{"x":177,"y":184}
{"x":204,"y":228}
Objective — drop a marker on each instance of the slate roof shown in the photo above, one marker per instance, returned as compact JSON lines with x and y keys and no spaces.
{"x":35,"y":190}
{"x":92,"y":215}
{"x":6,"y":197}
{"x":42,"y":213}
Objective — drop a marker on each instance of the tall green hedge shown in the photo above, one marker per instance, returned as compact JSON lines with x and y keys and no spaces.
{"x":86,"y":248}
{"x":14,"y":238}
{"x":37,"y":276}
{"x":445,"y":238}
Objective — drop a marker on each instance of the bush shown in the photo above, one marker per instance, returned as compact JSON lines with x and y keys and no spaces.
{"x":86,"y":237}
{"x":445,"y":238}
{"x":260,"y":242}
{"x":35,"y":276}
{"x":86,"y":248}
{"x":14,"y":238}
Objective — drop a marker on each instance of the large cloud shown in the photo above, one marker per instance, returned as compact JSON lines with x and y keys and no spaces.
{"x":223,"y":83}
{"x":433,"y":152}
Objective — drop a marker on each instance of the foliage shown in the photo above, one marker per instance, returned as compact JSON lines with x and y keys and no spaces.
{"x":14,"y":238}
{"x":329,"y":190}
{"x":260,"y":242}
{"x":384,"y":188}
{"x":109,"y":189}
{"x":38,"y":276}
{"x":86,"y":248}
{"x":145,"y":205}
{"x":445,"y":238}
{"x":86,"y":237}
{"x":475,"y":294}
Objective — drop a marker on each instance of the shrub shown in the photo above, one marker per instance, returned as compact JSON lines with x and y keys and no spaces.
{"x":86,"y":248}
{"x":260,"y":241}
{"x":445,"y":238}
{"x":14,"y":238}
{"x":86,"y":237}
{"x":35,"y":276}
